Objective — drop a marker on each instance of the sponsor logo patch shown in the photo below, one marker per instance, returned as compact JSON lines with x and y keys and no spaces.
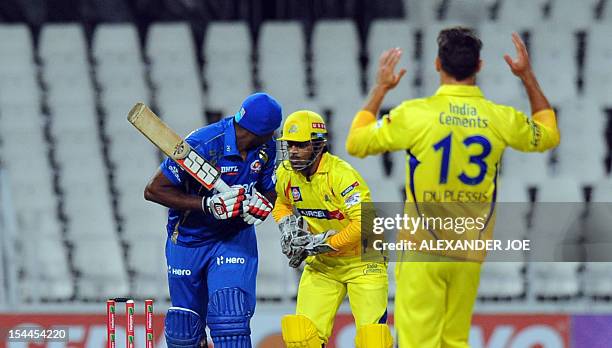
{"x":296,"y":194}
{"x":353,"y":199}
{"x":229,"y":170}
{"x":255,"y":166}
{"x":535,"y":131}
{"x":263,"y":156}
{"x":221,"y":260}
{"x":322,"y":214}
{"x":349,"y":189}
{"x":240,"y":114}
{"x":175,"y":171}
{"x":179,"y":149}
{"x":179,"y":271}
{"x":318,"y":125}
{"x":373,"y":268}
{"x":219,"y":209}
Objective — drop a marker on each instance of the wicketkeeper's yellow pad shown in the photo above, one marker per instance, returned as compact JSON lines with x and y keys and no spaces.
{"x":300,"y":332}
{"x":374,"y":336}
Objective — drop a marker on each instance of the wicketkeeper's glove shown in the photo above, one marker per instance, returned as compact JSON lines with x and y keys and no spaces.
{"x":314,"y":244}
{"x":296,"y":260}
{"x":225,"y":205}
{"x":257,"y":209}
{"x":292,"y":227}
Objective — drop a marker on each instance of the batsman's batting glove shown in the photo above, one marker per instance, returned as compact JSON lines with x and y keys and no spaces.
{"x":225,"y":205}
{"x":257,"y":209}
{"x":314,"y":244}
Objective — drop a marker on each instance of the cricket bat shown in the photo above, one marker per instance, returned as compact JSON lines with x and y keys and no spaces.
{"x":171,"y":144}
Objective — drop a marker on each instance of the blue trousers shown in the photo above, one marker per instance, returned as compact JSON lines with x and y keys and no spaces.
{"x":196,"y":273}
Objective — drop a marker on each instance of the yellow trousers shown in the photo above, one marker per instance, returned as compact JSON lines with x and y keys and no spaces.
{"x":434,"y":302}
{"x":325,"y":282}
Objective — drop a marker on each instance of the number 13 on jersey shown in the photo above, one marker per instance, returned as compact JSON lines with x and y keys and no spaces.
{"x":479,"y":159}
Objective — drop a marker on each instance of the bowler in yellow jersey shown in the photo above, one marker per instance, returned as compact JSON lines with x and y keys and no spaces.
{"x":326,"y":193}
{"x":454,"y":142}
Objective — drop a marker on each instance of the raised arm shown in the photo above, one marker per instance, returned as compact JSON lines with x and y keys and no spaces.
{"x":521,"y":68}
{"x":359,"y":141}
{"x":386,"y":79}
{"x":543,"y":116}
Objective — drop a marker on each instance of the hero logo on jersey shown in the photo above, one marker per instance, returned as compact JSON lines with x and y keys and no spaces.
{"x":230,"y":260}
{"x":178,"y":271}
{"x":255,"y":166}
{"x":296,"y":194}
{"x":349,"y":189}
{"x":229,"y":170}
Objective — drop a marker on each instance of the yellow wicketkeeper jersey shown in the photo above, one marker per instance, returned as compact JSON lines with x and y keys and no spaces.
{"x":454,"y":142}
{"x":329,"y":200}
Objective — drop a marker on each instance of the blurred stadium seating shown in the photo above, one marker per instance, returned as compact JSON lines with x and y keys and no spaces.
{"x":76,"y":170}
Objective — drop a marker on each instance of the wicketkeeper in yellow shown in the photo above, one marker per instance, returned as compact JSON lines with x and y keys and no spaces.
{"x":318,"y":209}
{"x":454,"y":141}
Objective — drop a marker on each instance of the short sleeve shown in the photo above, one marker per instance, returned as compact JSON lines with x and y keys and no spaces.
{"x":267,"y":180}
{"x":527,"y":134}
{"x":173,"y":171}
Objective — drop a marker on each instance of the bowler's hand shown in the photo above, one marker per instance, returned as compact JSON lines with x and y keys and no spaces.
{"x":521,"y":65}
{"x":386,"y":76}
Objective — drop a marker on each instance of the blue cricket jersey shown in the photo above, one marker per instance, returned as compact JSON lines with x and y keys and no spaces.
{"x":217,"y":143}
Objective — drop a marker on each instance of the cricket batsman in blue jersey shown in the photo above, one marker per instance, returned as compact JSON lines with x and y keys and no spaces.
{"x":211,"y":249}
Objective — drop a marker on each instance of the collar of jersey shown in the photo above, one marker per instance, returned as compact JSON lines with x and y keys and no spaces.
{"x":230,"y":148}
{"x":324,"y":164}
{"x":460,"y":90}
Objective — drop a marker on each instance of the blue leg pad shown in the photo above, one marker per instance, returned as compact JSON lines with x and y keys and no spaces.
{"x":184,"y":328}
{"x":229,"y":314}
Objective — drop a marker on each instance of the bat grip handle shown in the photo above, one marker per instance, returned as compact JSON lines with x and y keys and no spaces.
{"x":221,"y":186}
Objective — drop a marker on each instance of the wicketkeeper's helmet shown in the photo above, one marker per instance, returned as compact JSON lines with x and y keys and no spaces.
{"x":303,"y":126}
